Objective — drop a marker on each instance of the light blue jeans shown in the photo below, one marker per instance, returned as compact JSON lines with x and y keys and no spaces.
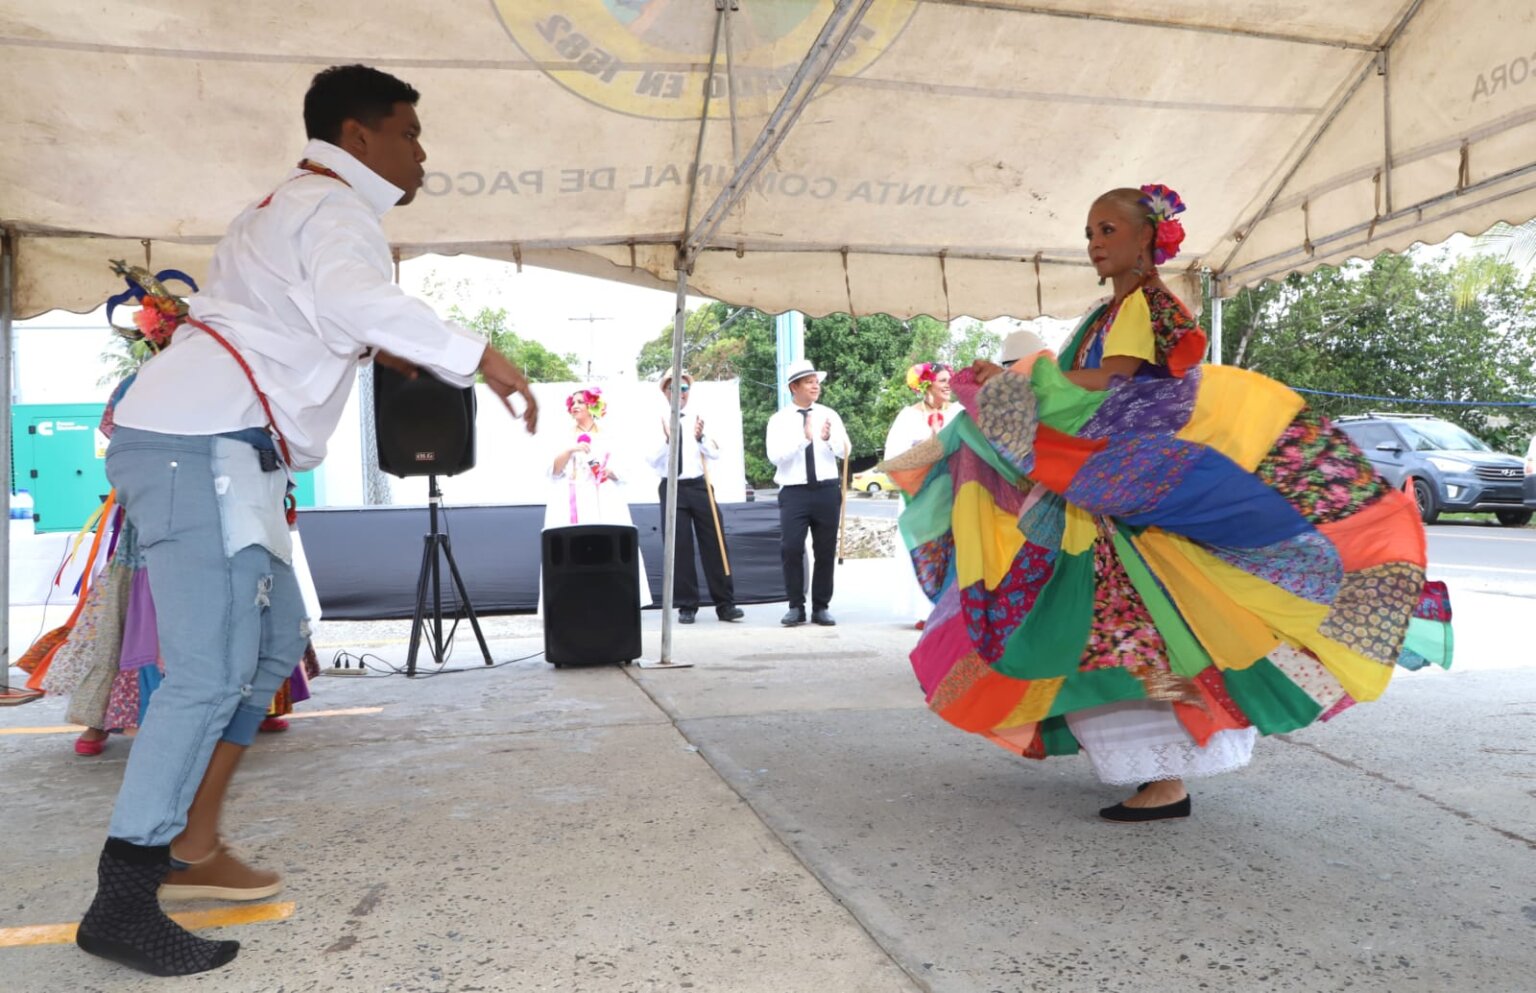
{"x":231,"y":624}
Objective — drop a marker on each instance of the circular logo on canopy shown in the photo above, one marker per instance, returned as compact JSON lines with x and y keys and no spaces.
{"x":651,"y":57}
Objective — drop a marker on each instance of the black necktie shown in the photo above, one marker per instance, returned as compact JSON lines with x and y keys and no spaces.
{"x":682,"y":439}
{"x":810,"y":454}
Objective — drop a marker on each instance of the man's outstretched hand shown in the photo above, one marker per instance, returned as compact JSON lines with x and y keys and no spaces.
{"x":504,"y":378}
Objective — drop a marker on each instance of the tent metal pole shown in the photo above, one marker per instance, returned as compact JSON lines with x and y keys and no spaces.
{"x":1216,"y":303}
{"x":1161,"y":24}
{"x":683,"y":263}
{"x":7,"y":309}
{"x":698,"y":145}
{"x":730,"y":84}
{"x":674,"y":449}
{"x":1281,"y":262}
{"x":818,"y":64}
{"x":1364,"y":73}
{"x":1387,"y":155}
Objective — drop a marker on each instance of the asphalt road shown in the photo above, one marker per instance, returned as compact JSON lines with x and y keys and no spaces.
{"x":1485,"y":557}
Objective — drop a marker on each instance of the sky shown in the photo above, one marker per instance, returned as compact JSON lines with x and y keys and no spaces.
{"x":603,"y":322}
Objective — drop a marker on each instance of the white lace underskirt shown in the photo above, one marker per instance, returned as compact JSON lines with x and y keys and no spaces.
{"x":1138,"y":741}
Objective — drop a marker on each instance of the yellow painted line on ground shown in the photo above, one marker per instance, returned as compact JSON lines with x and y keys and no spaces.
{"x":343,"y":712}
{"x":77,"y":728}
{"x":193,"y":920}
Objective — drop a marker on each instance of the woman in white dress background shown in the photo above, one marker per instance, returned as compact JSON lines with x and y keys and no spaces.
{"x":588,"y":469}
{"x":913,"y":426}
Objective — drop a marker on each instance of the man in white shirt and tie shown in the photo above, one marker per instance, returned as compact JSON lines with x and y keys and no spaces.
{"x":299,"y":295}
{"x":805,"y":440}
{"x":697,"y":514}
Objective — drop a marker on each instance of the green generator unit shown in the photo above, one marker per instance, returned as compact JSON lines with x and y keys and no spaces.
{"x":58,"y":455}
{"x":60,"y":458}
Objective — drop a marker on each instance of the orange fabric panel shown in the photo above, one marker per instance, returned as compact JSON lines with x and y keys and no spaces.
{"x":1019,"y":741}
{"x":910,"y":480}
{"x":1388,"y":530}
{"x":985,"y":702}
{"x":1058,"y":457}
{"x":1203,"y":721}
{"x":1188,"y":353}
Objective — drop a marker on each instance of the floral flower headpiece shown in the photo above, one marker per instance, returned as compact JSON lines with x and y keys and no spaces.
{"x":592,"y":397}
{"x":160,"y":312}
{"x":1163,"y":204}
{"x":922,"y":375}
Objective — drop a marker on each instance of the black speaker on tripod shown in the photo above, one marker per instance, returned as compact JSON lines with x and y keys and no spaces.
{"x":423,"y":426}
{"x":591,"y":578}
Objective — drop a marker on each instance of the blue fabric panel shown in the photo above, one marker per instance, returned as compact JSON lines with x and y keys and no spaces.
{"x":1217,"y":502}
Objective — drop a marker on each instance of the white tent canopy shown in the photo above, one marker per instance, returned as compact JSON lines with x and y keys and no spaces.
{"x":868,"y":155}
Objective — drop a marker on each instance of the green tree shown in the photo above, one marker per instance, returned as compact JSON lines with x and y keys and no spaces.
{"x":122,"y":359}
{"x":1392,"y":327}
{"x":538,"y":363}
{"x":1514,"y":244}
{"x":712,"y":343}
{"x":969,"y":342}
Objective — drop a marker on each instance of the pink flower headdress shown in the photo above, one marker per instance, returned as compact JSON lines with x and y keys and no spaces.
{"x":592,"y":397}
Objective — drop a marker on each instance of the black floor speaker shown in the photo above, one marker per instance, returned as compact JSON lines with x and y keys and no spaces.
{"x":591,"y":579}
{"x":423,"y":426}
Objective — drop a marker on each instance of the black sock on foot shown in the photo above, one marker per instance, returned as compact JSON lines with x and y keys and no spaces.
{"x":126,"y":925}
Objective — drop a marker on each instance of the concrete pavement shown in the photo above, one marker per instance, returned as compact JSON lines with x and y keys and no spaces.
{"x":786,"y":815}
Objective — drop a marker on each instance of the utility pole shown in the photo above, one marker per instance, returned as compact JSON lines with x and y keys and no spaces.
{"x":591,"y":320}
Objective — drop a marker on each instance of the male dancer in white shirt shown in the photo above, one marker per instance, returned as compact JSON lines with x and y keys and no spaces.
{"x":697,"y":514}
{"x":805,"y":440}
{"x":300,"y":289}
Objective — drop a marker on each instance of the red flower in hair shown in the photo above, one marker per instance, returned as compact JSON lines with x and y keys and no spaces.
{"x":1170,"y":235}
{"x":157,"y":319}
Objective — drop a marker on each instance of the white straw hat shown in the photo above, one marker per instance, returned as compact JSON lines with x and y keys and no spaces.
{"x":1019,"y":344}
{"x":800,"y":368}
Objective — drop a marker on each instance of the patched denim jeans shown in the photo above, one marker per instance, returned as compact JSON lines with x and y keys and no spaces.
{"x":230,"y":619}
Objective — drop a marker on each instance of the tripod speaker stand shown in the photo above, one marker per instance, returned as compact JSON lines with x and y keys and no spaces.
{"x":433,"y":542}
{"x":424,"y":427}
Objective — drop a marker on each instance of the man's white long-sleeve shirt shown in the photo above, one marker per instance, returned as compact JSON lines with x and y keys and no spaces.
{"x":786,"y":444}
{"x":694,"y":452}
{"x":301,"y":286}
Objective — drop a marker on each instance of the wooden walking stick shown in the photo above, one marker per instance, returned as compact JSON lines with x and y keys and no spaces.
{"x":842,"y":510}
{"x":714,"y":511}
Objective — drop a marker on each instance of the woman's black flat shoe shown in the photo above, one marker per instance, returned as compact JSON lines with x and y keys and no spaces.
{"x":1120,"y":812}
